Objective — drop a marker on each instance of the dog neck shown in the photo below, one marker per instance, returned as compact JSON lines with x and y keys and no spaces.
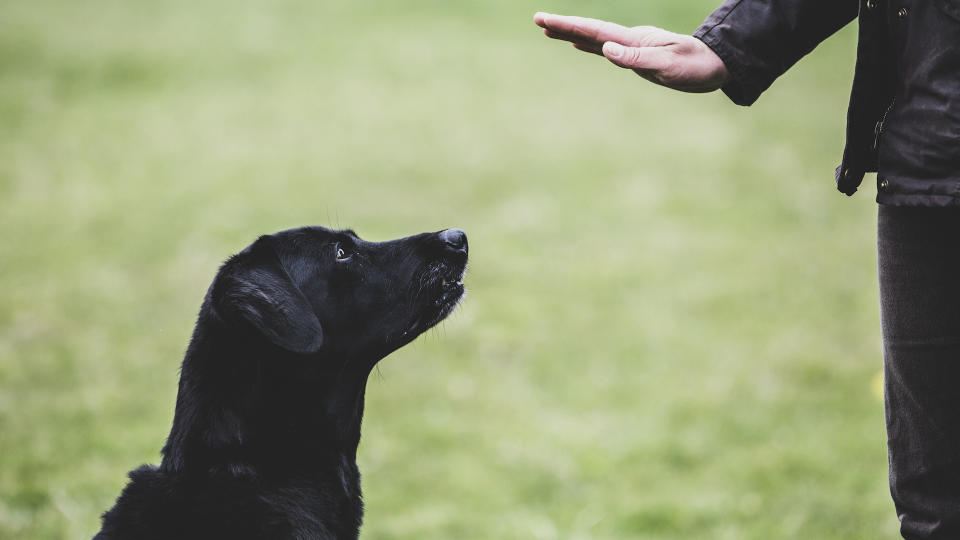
{"x":251,"y":409}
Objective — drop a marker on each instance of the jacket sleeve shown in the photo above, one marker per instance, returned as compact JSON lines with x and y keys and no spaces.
{"x":759,"y":40}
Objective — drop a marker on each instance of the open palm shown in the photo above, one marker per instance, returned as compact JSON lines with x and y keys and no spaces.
{"x":676,"y":61}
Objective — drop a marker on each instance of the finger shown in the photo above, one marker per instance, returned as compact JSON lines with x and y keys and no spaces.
{"x":561,"y":36}
{"x":588,"y":47}
{"x":572,"y":38}
{"x":584,"y":28}
{"x":651,"y":59}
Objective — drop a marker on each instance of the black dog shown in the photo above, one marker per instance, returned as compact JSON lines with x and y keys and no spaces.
{"x":267,"y":422}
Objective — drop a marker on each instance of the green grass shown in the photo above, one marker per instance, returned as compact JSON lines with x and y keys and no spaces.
{"x":671,"y":330}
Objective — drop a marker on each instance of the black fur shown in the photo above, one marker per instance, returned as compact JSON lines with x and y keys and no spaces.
{"x":268,"y":413}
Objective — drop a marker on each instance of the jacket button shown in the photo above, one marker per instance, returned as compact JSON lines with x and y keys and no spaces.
{"x":902,"y":12}
{"x":883,"y":184}
{"x":871,"y":4}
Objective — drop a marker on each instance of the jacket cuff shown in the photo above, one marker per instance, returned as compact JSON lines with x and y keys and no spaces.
{"x":737,"y":88}
{"x":744,"y":86}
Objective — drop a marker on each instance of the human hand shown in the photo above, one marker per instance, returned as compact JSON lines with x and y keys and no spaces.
{"x":676,"y":61}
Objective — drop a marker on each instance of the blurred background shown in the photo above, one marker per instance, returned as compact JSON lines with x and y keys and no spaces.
{"x":671,"y":330}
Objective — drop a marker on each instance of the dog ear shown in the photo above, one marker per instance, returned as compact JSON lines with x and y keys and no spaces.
{"x":255,"y":288}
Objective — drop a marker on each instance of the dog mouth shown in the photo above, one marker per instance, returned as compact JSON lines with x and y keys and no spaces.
{"x":452,"y":291}
{"x":441,"y":294}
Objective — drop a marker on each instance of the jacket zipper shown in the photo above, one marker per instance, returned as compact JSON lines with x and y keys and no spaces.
{"x":879,"y":128}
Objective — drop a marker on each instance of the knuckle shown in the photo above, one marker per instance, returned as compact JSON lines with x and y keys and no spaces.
{"x":632,"y":56}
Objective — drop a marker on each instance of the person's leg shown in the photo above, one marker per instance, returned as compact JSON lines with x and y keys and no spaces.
{"x":919,"y":264}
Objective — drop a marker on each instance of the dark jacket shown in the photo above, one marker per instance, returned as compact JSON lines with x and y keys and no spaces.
{"x":904,"y":115}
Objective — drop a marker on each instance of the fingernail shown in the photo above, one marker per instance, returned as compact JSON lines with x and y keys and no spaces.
{"x":613,"y":50}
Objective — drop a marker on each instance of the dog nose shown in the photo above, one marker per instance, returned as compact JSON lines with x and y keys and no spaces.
{"x":454,"y":240}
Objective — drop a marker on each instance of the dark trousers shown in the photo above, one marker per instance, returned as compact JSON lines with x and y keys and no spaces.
{"x":919,"y":262}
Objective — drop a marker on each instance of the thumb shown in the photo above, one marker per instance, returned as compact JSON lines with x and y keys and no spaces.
{"x":646,"y":58}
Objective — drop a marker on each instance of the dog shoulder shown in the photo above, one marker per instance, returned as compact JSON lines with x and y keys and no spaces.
{"x":144,"y":507}
{"x":164,"y":505}
{"x":160,"y":505}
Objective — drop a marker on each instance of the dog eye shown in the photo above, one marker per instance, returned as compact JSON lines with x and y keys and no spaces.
{"x":341,"y":254}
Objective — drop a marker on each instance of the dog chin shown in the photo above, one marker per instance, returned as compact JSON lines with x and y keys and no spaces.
{"x":450,"y":295}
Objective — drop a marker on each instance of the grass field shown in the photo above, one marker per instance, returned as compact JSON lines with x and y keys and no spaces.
{"x":671,"y":330}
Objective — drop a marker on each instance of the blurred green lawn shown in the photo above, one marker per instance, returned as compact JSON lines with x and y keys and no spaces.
{"x":671,"y":330}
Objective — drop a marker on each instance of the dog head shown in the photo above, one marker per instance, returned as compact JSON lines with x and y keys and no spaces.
{"x":313,"y":291}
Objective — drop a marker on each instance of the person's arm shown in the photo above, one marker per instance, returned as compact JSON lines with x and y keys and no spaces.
{"x":742,"y":47}
{"x":758,"y":40}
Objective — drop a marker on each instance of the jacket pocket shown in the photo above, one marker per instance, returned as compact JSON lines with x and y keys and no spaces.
{"x":950,"y":7}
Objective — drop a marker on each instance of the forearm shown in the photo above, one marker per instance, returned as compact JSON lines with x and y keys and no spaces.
{"x":758,"y":40}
